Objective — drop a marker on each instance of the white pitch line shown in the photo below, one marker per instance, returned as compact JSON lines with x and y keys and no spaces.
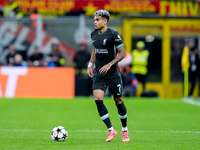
{"x":198,"y":132}
{"x":21,"y":130}
{"x":145,"y":131}
{"x":190,"y":101}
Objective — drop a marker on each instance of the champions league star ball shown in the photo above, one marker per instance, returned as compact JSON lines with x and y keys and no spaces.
{"x":59,"y":133}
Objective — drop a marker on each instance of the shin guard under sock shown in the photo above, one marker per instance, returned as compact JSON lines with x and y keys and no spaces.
{"x":122,"y":113}
{"x":103,"y":113}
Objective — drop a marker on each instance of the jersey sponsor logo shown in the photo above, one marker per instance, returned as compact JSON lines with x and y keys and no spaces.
{"x":104,"y":41}
{"x":101,"y":51}
{"x":118,"y":38}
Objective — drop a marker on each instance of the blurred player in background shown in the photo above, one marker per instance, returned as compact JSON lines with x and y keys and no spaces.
{"x":106,"y":73}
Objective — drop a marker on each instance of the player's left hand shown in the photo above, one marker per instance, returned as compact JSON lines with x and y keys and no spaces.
{"x":105,"y":69}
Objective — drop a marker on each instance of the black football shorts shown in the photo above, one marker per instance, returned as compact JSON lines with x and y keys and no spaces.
{"x":114,"y":85}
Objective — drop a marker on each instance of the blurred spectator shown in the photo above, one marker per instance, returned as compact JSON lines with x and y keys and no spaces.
{"x":56,"y":58}
{"x":80,"y":63}
{"x":33,"y":14}
{"x":68,"y":59}
{"x":9,"y":9}
{"x":10,"y":56}
{"x":81,"y":58}
{"x":18,"y":61}
{"x":36,"y":59}
{"x":130,"y":82}
{"x":18,"y":12}
{"x":140,"y":62}
{"x":1,"y":10}
{"x":194,"y":69}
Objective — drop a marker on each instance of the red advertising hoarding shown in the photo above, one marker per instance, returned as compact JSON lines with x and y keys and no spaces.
{"x":37,"y":82}
{"x":138,"y":7}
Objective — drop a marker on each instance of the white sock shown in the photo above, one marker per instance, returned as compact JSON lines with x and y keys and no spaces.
{"x":124,"y":129}
{"x":111,"y":128}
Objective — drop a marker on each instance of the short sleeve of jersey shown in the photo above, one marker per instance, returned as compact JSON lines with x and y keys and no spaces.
{"x":118,"y":39}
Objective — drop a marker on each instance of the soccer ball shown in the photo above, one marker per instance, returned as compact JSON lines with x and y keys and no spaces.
{"x":59,"y":133}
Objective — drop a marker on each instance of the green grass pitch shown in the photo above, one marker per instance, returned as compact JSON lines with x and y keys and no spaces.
{"x":154,"y":124}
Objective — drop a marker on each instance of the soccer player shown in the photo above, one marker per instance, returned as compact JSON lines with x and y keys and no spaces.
{"x":106,"y":43}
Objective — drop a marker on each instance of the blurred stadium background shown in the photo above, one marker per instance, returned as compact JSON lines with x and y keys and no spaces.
{"x":34,"y":98}
{"x":164,"y":26}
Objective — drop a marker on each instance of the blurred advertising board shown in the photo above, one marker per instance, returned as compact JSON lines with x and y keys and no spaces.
{"x":27,"y":82}
{"x":119,"y":7}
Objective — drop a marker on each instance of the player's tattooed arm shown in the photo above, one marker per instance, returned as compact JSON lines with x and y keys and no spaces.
{"x":122,"y":54}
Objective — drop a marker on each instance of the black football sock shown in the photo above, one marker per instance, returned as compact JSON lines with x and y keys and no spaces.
{"x":122,"y":114}
{"x":103,"y":113}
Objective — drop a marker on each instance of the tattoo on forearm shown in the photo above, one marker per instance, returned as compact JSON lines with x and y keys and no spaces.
{"x":122,"y":54}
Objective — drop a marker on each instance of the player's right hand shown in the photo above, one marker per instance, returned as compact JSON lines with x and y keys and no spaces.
{"x":90,"y":72}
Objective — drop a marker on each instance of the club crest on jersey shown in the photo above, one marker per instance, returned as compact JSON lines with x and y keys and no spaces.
{"x":118,"y":38}
{"x":104,"y":41}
